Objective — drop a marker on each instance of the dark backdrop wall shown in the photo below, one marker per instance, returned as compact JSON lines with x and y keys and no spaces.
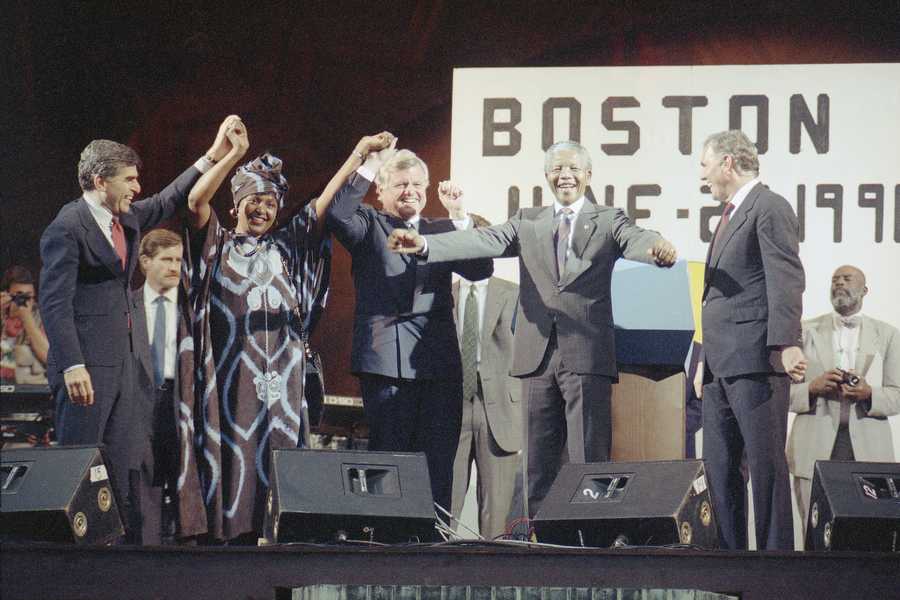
{"x":309,"y":78}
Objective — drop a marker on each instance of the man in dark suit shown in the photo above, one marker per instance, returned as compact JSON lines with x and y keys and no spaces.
{"x":405,"y":350}
{"x":752,"y":303}
{"x":89,"y":252}
{"x":491,"y":434}
{"x":155,"y":311}
{"x":564,"y":344}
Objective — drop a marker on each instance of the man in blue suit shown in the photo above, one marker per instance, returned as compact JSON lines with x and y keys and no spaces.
{"x":405,"y":349}
{"x":89,"y":253}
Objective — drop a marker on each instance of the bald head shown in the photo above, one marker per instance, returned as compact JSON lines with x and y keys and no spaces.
{"x":848,"y":288}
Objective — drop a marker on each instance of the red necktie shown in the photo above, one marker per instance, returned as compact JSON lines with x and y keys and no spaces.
{"x":118,"y":238}
{"x":723,"y":222}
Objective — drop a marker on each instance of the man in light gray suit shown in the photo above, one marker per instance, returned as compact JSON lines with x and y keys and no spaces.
{"x":835,"y":419}
{"x":752,"y":302}
{"x":491,"y":433}
{"x":564,"y":343}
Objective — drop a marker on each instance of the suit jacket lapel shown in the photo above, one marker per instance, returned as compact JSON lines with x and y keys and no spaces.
{"x":823,"y":341}
{"x":493,"y":306}
{"x":543,"y":232}
{"x":132,"y":239}
{"x":97,"y":241}
{"x":584,"y":227}
{"x":141,"y":335}
{"x":736,"y":222}
{"x":388,"y":223}
{"x":868,"y":345}
{"x":454,"y":291}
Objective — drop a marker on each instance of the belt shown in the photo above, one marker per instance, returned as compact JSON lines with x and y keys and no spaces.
{"x":166,"y":386}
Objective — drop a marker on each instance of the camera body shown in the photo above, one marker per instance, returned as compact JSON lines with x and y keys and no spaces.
{"x":20,"y":298}
{"x":848,"y":378}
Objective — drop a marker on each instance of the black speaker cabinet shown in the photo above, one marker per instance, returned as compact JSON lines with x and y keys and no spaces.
{"x":635,"y":503}
{"x":335,"y":495}
{"x":57,"y":494}
{"x":854,"y":506}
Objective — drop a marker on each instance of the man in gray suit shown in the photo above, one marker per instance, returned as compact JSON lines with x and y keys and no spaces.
{"x":491,"y":433}
{"x":837,"y":419}
{"x":564,"y":343}
{"x":751,"y":327}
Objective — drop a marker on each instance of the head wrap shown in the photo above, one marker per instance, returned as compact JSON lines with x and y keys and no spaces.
{"x":262,"y":175}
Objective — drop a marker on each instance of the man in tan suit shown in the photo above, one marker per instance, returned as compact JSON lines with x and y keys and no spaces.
{"x":491,"y":434}
{"x":836,"y":420}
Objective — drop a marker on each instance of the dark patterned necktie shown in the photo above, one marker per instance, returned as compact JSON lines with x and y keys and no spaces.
{"x":118,"y":238}
{"x":469,"y":345}
{"x":563,"y":228}
{"x":723,"y":223}
{"x":158,"y":345}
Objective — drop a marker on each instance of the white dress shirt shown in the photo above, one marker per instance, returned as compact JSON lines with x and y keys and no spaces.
{"x":481,"y":296}
{"x":170,"y":303}
{"x":845,"y":340}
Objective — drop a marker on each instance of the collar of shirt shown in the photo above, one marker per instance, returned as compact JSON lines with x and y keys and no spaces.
{"x":575,"y":207}
{"x":414,"y":221}
{"x":839,"y":320}
{"x":102,"y":215}
{"x":150,"y":295}
{"x":465,"y":284}
{"x":742,"y":193}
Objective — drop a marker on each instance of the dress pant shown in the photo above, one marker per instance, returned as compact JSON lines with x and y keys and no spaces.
{"x":416,"y":415}
{"x":568,"y":419}
{"x":150,"y":517}
{"x":748,"y":413}
{"x":496,"y":467}
{"x":109,"y":421}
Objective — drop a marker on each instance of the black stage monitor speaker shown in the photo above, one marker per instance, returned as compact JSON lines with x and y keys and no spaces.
{"x":634,"y":503}
{"x":57,"y":494}
{"x":854,"y":506}
{"x":334,"y":495}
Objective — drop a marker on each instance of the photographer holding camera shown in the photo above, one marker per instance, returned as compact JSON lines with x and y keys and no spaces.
{"x":852,"y":385}
{"x":24,"y":343}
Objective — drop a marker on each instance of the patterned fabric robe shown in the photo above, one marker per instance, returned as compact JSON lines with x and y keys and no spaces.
{"x":242,"y":367}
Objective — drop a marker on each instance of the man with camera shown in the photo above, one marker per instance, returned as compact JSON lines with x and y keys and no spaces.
{"x":24,"y":343}
{"x":852,"y":385}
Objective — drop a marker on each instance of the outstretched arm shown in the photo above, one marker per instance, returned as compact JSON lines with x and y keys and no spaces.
{"x":382,"y":144}
{"x":234,"y":134}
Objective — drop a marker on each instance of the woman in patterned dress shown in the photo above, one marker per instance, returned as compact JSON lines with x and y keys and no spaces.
{"x":253,"y":293}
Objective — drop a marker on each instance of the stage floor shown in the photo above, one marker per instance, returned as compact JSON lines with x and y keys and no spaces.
{"x":32,"y":571}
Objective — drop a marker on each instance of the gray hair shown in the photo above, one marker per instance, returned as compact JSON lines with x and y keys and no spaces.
{"x":104,"y":158}
{"x":736,"y":144}
{"x":402,"y":160}
{"x":582,"y":152}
